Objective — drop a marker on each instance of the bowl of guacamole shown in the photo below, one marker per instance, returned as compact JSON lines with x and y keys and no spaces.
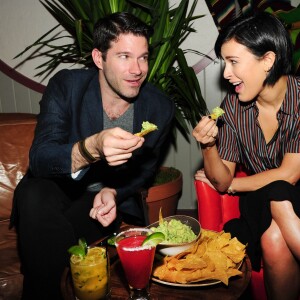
{"x":180,"y":233}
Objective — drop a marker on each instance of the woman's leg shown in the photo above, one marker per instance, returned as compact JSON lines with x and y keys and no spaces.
{"x":288,"y":223}
{"x":281,"y":269}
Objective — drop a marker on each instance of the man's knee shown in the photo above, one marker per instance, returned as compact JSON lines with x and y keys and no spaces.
{"x":36,"y":195}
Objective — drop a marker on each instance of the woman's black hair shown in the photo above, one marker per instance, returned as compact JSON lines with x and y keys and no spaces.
{"x":261,"y":33}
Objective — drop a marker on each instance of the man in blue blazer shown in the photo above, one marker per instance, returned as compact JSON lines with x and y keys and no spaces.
{"x":85,"y":161}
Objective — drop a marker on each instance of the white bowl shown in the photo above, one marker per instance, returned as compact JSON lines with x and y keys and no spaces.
{"x":173,"y":249}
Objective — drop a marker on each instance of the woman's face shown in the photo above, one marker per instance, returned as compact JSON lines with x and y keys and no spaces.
{"x":244,"y":70}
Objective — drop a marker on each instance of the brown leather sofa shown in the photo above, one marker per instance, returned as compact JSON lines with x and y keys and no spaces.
{"x":16,"y":135}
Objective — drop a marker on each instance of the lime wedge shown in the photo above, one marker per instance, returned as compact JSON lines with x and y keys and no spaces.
{"x":154,"y":239}
{"x":77,"y":250}
{"x":111,"y":241}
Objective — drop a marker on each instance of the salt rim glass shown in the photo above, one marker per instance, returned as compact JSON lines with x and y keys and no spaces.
{"x":137,"y":262}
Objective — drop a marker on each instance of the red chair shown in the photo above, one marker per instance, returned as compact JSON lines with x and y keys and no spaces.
{"x":214,"y":210}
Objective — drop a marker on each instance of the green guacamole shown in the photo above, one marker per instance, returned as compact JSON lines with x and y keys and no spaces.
{"x":175,"y":232}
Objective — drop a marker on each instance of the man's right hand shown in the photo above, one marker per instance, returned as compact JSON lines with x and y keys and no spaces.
{"x":115,"y":145}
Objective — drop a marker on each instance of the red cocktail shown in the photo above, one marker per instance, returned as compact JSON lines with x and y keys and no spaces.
{"x":137,"y":260}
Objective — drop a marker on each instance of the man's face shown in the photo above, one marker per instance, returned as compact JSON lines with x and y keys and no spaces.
{"x":125,"y":67}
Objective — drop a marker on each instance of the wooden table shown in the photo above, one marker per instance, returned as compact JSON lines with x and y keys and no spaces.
{"x":119,"y":288}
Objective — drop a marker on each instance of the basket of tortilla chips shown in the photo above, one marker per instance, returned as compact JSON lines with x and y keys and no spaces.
{"x":214,"y":256}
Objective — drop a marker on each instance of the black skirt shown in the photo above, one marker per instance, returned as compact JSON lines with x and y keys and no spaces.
{"x":256,"y":216}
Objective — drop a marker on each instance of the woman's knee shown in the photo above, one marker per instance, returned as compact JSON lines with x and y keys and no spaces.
{"x":274,"y":248}
{"x":272,"y":242}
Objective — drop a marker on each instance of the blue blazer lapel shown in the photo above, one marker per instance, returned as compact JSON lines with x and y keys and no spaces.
{"x":91,"y":109}
{"x":141,"y":112}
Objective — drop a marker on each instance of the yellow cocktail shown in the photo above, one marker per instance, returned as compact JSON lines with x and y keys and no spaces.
{"x":90,"y":274}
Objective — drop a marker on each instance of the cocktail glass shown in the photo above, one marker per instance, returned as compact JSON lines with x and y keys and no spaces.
{"x":91,"y":274}
{"x":137,"y":261}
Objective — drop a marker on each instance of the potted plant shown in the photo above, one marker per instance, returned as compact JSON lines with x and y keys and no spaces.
{"x":164,"y":193}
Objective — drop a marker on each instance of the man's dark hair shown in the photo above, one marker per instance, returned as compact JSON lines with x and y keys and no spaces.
{"x":109,"y":28}
{"x":261,"y":33}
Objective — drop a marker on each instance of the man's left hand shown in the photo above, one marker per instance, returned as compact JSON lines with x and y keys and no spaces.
{"x":104,"y":208}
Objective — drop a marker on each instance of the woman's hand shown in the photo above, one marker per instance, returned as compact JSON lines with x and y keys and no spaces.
{"x":104,"y":208}
{"x":206,"y":131}
{"x":200,"y":175}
